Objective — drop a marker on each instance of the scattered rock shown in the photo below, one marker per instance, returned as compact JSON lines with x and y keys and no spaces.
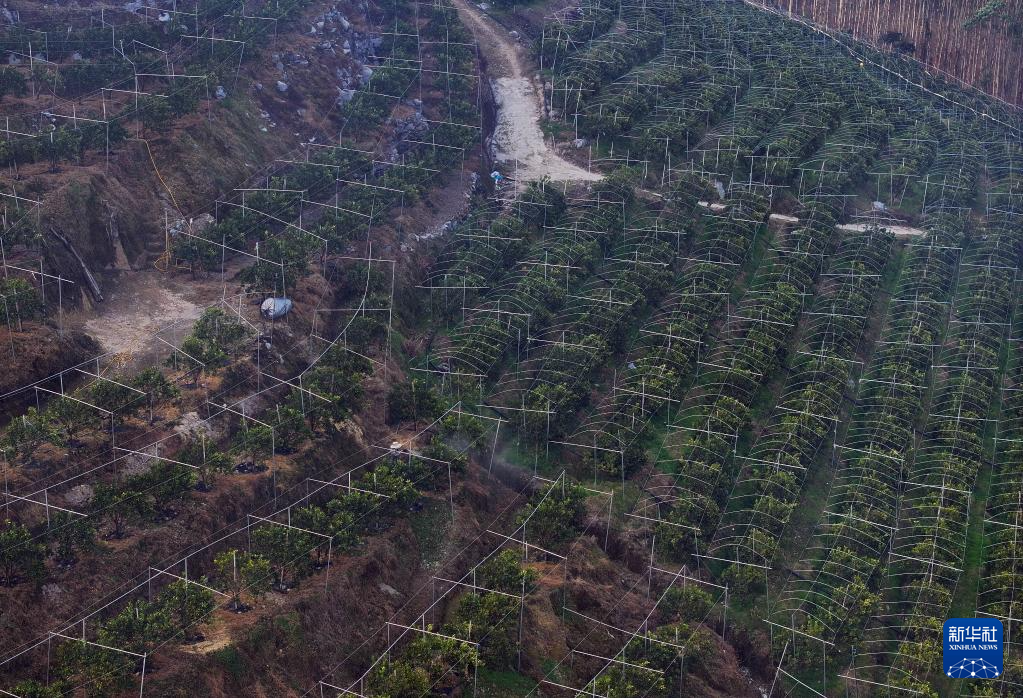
{"x":413,"y":125}
{"x":136,"y":464}
{"x":579,"y":143}
{"x":364,"y":46}
{"x":389,"y":590}
{"x":201,"y":223}
{"x":282,"y":86}
{"x":191,"y":423}
{"x":79,"y":495}
{"x":344,"y":97}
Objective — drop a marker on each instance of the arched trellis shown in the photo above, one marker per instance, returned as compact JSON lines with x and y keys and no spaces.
{"x":671,"y":341}
{"x":806,"y":415}
{"x":861,"y":509}
{"x":715,"y":411}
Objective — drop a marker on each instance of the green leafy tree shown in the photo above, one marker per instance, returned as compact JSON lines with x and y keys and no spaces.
{"x":314,"y":518}
{"x":61,"y":144}
{"x":139,"y":627}
{"x":116,"y":397}
{"x":288,"y":551}
{"x":504,"y":572}
{"x":338,"y":378}
{"x":186,"y":605}
{"x":997,"y":10}
{"x":397,"y":679}
{"x":400,"y":494}
{"x":283,"y":260}
{"x":554,"y":515}
{"x":21,"y":557}
{"x":103,"y":671}
{"x":70,"y":536}
{"x":46,"y":78}
{"x":155,"y":112}
{"x":210,"y":462}
{"x":12,"y":82}
{"x":414,"y":400}
{"x":214,"y":336}
{"x":71,"y":417}
{"x":120,"y":507}
{"x":290,"y":429}
{"x":491,"y":620}
{"x":238,"y":572}
{"x":686,"y":603}
{"x":344,"y":530}
{"x":166,"y":483}
{"x":34,"y":689}
{"x":627,"y":682}
{"x":438,"y":450}
{"x":20,"y":301}
{"x":208,"y":357}
{"x":443,"y":656}
{"x":257,"y":442}
{"x":155,"y":385}
{"x":353,"y":513}
{"x":27,"y":433}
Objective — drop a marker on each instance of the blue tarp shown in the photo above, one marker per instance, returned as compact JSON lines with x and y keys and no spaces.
{"x":274,"y":308}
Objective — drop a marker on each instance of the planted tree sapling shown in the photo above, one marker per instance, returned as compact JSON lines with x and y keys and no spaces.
{"x":238,"y":572}
{"x":21,"y":557}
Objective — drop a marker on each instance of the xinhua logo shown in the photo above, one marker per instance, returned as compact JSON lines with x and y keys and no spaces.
{"x":973,"y":648}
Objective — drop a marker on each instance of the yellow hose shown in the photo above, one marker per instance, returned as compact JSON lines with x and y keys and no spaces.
{"x":162,"y":262}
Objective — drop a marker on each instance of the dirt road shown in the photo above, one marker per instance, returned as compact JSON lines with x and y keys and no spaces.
{"x":521,"y":151}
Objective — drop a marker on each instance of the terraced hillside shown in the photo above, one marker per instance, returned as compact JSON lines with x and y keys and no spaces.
{"x":725,"y":405}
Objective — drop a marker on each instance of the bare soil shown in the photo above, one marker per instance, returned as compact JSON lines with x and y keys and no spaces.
{"x":143,"y":305}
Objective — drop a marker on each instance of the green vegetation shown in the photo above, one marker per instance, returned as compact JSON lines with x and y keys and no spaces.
{"x":756,"y":403}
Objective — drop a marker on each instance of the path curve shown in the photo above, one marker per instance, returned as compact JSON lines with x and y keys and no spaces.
{"x":521,"y":150}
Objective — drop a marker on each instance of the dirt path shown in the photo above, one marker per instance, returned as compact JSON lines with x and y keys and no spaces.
{"x":521,"y":150}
